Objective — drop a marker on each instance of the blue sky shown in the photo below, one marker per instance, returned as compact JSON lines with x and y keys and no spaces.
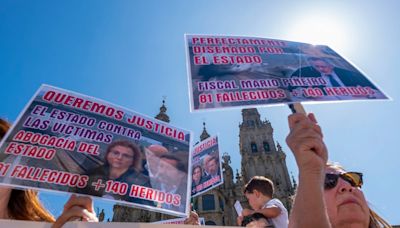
{"x":131,"y":53}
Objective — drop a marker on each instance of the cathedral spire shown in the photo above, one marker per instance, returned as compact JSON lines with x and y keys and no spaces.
{"x":162,"y":115}
{"x":204,"y":135}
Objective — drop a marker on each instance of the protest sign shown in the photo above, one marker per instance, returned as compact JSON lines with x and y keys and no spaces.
{"x":171,"y":221}
{"x":206,"y":168}
{"x":229,"y":71}
{"x":178,"y":221}
{"x":70,"y":142}
{"x":30,"y":224}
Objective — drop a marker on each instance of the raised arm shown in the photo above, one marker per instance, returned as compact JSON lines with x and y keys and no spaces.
{"x":306,"y":142}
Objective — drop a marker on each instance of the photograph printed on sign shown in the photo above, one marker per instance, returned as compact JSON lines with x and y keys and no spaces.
{"x":229,"y":71}
{"x":69,"y":142}
{"x":206,"y":166}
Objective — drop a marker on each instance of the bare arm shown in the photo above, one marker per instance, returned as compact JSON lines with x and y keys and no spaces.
{"x":270,"y":212}
{"x":306,"y":142}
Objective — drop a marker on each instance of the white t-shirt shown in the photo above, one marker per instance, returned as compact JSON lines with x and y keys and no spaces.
{"x":282,"y":220}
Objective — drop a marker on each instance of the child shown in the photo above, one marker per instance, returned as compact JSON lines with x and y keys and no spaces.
{"x":259,"y":191}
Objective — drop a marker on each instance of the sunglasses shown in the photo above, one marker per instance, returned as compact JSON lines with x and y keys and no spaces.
{"x":353,"y":178}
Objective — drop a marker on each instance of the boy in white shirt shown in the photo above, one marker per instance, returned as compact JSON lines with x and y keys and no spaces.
{"x":259,"y":191}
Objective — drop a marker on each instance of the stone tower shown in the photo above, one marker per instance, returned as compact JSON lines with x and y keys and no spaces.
{"x":260,"y":155}
{"x":216,"y":205}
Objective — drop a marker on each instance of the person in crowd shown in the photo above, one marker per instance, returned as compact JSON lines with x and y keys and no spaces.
{"x":122,"y":164}
{"x":198,"y":178}
{"x":25,"y":204}
{"x":256,"y":220}
{"x":327,"y":195}
{"x":211,"y":165}
{"x":259,"y":191}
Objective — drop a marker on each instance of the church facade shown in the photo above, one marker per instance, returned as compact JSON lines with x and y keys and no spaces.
{"x":259,"y":156}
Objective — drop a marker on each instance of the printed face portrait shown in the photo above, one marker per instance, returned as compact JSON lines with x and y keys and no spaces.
{"x":196,"y":175}
{"x":212,"y":166}
{"x":153,"y":154}
{"x":120,"y":157}
{"x":168,"y":171}
{"x":322,"y":66}
{"x":345,"y":203}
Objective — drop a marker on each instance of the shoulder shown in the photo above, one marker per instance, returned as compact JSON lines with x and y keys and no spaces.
{"x":274,"y":202}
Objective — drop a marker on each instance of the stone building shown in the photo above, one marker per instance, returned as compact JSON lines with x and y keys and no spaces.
{"x":260,"y":156}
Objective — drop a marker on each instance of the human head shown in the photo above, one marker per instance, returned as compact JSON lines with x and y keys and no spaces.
{"x":321,"y":65}
{"x":258,"y":188}
{"x":157,"y":150}
{"x":347,"y":205}
{"x":256,"y":220}
{"x":123,"y":154}
{"x":171,"y":169}
{"x":196,"y":174}
{"x":211,"y":165}
{"x":153,"y":154}
{"x":23,"y":204}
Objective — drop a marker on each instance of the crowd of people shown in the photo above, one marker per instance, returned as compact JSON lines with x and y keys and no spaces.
{"x":327,"y":194}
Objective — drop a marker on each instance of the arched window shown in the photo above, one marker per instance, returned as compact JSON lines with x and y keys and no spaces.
{"x":254,"y":147}
{"x":266,"y":146}
{"x":208,"y":202}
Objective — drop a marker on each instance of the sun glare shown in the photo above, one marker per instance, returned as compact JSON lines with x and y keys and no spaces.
{"x":320,"y":30}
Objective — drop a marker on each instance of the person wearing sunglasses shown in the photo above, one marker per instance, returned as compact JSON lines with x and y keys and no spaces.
{"x":327,"y":195}
{"x":122,"y":164}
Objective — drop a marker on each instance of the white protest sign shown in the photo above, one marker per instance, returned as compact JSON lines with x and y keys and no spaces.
{"x":230,"y":71}
{"x":65,"y":141}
